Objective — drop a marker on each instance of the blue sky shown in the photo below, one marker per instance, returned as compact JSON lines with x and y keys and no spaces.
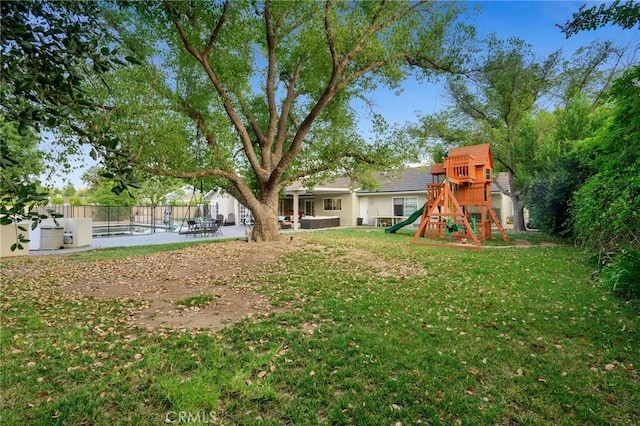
{"x":532,"y":21}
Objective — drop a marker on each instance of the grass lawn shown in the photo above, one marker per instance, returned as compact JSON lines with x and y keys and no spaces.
{"x":368,"y":330}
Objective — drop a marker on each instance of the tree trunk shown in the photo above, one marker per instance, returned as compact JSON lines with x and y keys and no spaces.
{"x":265,"y":227}
{"x":518,"y":212}
{"x":518,"y":206}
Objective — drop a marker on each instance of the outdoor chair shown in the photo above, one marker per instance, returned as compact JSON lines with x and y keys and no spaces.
{"x":193,"y":227}
{"x":231,"y":219}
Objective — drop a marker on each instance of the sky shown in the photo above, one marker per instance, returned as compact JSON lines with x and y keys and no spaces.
{"x":533,"y":21}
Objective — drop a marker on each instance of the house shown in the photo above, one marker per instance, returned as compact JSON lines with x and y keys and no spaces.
{"x":400,"y":194}
{"x":221,"y":203}
{"x":340,"y":201}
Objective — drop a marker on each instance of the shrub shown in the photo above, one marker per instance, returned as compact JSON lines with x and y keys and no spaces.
{"x":624,"y":274}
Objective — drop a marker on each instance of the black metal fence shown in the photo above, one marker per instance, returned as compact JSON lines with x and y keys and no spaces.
{"x":131,"y":220}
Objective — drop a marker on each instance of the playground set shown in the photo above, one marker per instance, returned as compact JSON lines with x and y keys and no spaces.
{"x":458,"y":206}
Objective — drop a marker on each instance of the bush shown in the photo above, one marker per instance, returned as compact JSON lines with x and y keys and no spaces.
{"x":549,"y":196}
{"x":624,"y":274}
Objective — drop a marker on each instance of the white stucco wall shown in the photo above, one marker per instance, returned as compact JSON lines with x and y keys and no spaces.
{"x":382,"y":204}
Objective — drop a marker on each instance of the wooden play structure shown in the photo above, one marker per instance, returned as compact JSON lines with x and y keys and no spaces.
{"x":458,"y":204}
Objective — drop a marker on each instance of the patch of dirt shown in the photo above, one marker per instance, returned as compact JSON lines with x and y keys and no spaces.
{"x":164,"y":279}
{"x":522,"y":243}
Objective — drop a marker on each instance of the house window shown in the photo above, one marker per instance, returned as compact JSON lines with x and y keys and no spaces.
{"x":309,"y":208}
{"x":405,"y":206}
{"x":488,"y":174}
{"x":245,"y":215}
{"x":332,"y":204}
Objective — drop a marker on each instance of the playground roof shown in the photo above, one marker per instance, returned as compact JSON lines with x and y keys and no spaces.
{"x":480,"y":153}
{"x":438,"y":169}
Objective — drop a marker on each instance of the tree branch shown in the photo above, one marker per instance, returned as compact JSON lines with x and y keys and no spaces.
{"x":252,"y":121}
{"x":501,"y":188}
{"x":375,"y":28}
{"x":216,"y":30}
{"x":201,"y":123}
{"x":236,"y":180}
{"x":287,"y":105}
{"x":226,"y":100}
{"x":330,"y":40}
{"x":271,"y":85}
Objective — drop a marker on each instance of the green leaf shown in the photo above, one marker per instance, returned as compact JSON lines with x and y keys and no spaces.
{"x":23,"y":129}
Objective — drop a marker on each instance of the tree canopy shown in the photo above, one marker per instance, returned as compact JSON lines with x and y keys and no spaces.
{"x":498,"y":103}
{"x":623,"y":14}
{"x":257,"y":95}
{"x":51,"y":53}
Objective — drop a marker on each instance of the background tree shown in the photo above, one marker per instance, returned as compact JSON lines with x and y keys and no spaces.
{"x":20,"y":190}
{"x":100,"y":189}
{"x":491,"y":104}
{"x":48,"y":50}
{"x":69,"y":190}
{"x":624,"y":14}
{"x":27,"y":162}
{"x":257,"y":95}
{"x":498,"y":103}
{"x":607,"y":207}
{"x":558,"y":171}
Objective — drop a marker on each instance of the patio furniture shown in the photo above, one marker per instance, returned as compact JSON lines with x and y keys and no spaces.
{"x":193,"y":228}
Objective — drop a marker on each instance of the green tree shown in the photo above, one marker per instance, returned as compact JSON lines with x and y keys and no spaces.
{"x":20,"y":165}
{"x":48,"y":51}
{"x":27,"y":162}
{"x":498,"y":101}
{"x":607,"y":207}
{"x":257,"y":95}
{"x":558,"y":172}
{"x":589,"y":73}
{"x":624,"y":14}
{"x":69,"y":190}
{"x":492,"y":105}
{"x":154,"y":189}
{"x":615,"y":222}
{"x":100,"y":189}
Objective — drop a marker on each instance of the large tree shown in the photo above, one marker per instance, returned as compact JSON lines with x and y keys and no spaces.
{"x":490,"y":105}
{"x":494,"y":104}
{"x":258,"y":94}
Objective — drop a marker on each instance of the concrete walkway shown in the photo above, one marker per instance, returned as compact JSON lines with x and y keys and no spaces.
{"x":228,"y":232}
